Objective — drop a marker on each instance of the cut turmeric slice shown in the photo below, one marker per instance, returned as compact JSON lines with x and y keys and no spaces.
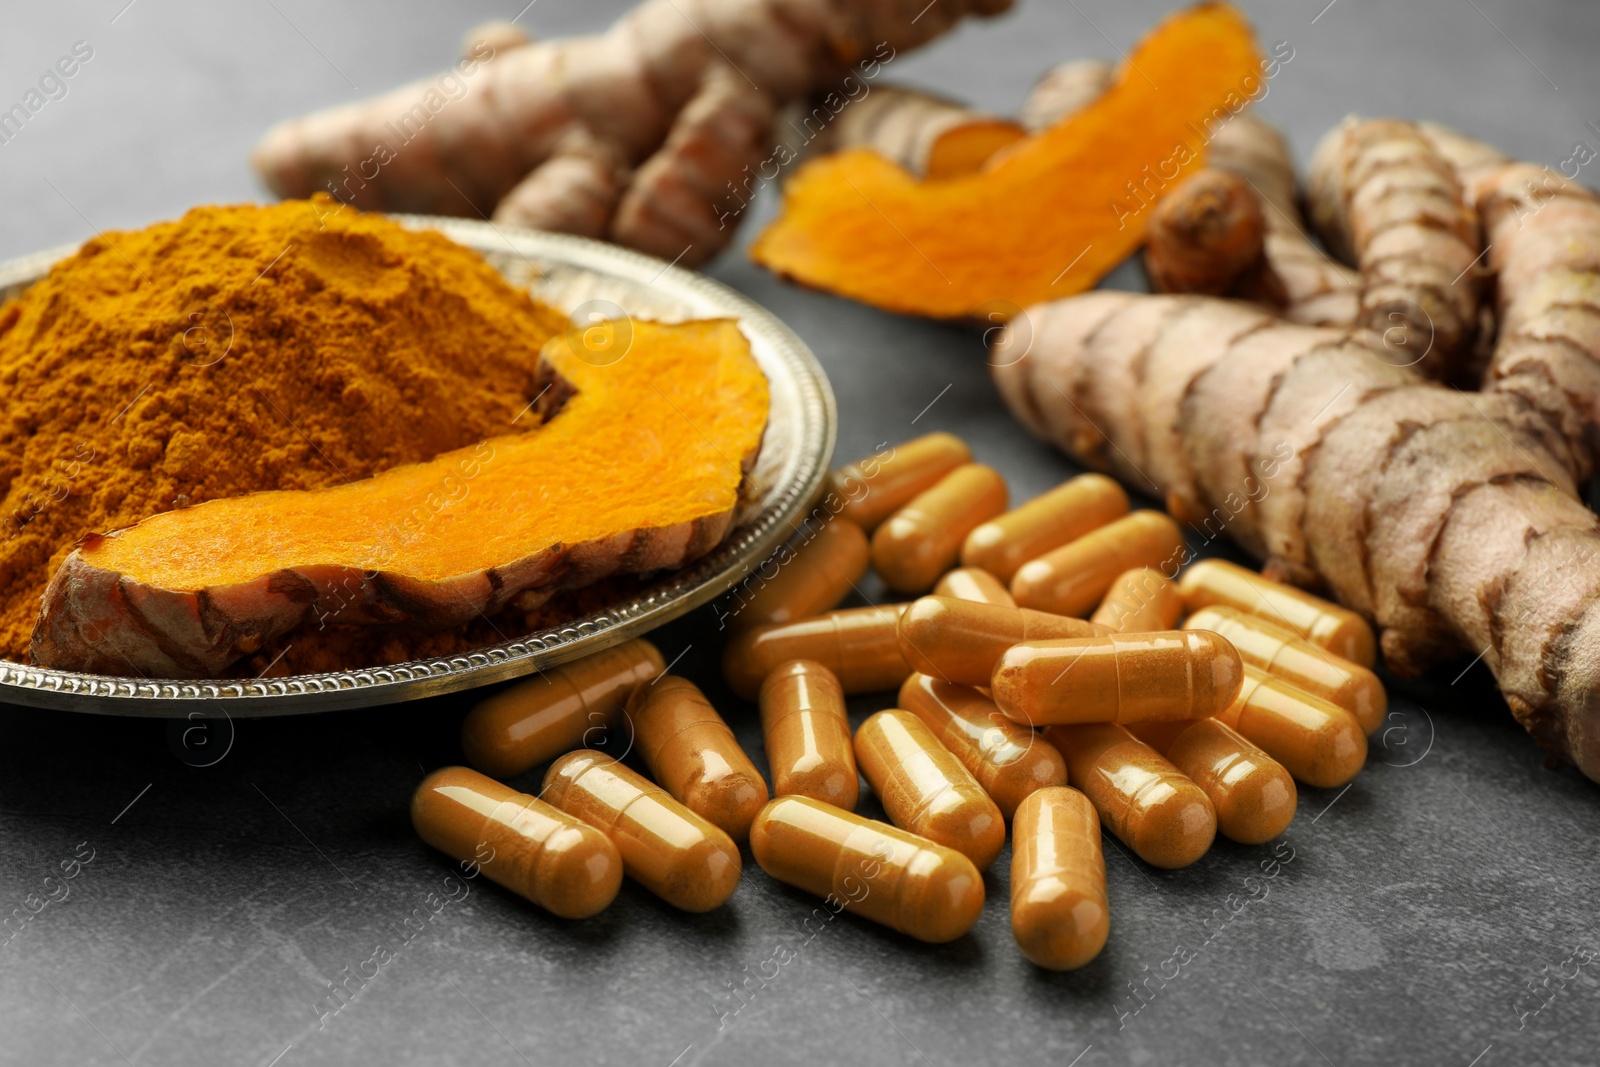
{"x":1048,"y":216}
{"x":638,"y":467}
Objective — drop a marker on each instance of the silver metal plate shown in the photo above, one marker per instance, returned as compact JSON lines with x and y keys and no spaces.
{"x":571,"y":273}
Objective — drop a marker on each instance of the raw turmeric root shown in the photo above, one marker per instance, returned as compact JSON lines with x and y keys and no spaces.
{"x":1202,"y":230}
{"x":639,"y":468}
{"x":1469,"y":157}
{"x":1543,"y":236}
{"x":1451,"y":518}
{"x":635,"y":134}
{"x":1385,"y":198}
{"x":1048,"y":217}
{"x":928,"y":135}
{"x":1206,"y":236}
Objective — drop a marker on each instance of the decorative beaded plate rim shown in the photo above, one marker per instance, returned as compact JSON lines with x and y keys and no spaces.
{"x":566,"y":271}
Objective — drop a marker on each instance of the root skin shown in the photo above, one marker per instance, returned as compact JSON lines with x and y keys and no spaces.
{"x":1450,"y":518}
{"x":1383,"y":197}
{"x":641,"y":134}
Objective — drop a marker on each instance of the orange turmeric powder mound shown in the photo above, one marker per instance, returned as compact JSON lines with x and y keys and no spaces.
{"x":238,"y":349}
{"x":1049,"y":215}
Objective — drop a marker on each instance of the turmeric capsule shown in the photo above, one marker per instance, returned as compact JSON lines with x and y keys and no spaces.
{"x":1165,"y":818}
{"x":561,"y":864}
{"x":961,"y":641}
{"x":1007,"y":759}
{"x":880,"y":485}
{"x":556,"y":711}
{"x":1178,"y":674}
{"x":691,"y":753}
{"x":1284,"y":654}
{"x":807,"y":732}
{"x":1139,"y":601}
{"x":877,"y":871}
{"x":1072,"y":579}
{"x":922,"y":540}
{"x":665,"y":847}
{"x":808,"y":579}
{"x":861,"y":646}
{"x":925,"y":789}
{"x":1323,"y":623}
{"x":1059,"y":913}
{"x":978,"y":586}
{"x":1253,"y":795}
{"x":1319,"y":742}
{"x":1049,"y":521}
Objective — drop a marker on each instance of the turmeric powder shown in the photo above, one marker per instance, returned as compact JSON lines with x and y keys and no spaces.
{"x":238,"y":349}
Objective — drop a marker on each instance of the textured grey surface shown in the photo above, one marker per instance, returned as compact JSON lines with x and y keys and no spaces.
{"x":1420,"y":908}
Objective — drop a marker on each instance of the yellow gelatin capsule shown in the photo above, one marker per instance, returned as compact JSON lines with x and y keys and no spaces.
{"x":861,"y":646}
{"x":1177,"y":674}
{"x":1284,"y":654}
{"x":876,"y":487}
{"x":556,"y":711}
{"x":691,"y":752}
{"x":961,"y":641}
{"x":921,"y":541}
{"x":1254,"y":796}
{"x":925,"y":789}
{"x":807,"y":732}
{"x":665,"y":847}
{"x":1319,"y":742}
{"x":1072,"y":579}
{"x":1049,"y":521}
{"x":877,"y":871}
{"x":807,"y":580}
{"x":1009,"y":760}
{"x":1323,"y":623}
{"x":1059,"y":913}
{"x":978,"y":586}
{"x":1165,"y":818}
{"x":538,"y":852}
{"x":1140,"y":601}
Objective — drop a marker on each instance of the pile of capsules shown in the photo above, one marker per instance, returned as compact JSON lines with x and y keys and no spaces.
{"x":1012,"y":706}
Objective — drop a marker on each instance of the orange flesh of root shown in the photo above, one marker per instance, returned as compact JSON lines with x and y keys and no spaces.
{"x":654,"y":439}
{"x":967,"y":148}
{"x":1048,"y":217}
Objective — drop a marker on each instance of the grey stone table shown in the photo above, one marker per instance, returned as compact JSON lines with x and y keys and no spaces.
{"x":1436,"y":911}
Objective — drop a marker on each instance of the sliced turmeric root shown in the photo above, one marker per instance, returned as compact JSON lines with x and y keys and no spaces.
{"x":1049,"y":216}
{"x":639,"y":468}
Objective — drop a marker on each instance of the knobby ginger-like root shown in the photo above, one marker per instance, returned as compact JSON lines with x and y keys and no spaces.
{"x":928,"y":135}
{"x":638,"y":467}
{"x":1293,"y":275}
{"x":1206,"y":235}
{"x":1065,"y":90}
{"x":1016,"y":232}
{"x":498,"y":35}
{"x":635,"y":134}
{"x":1451,"y":518}
{"x":1385,"y":198}
{"x":1202,"y":232}
{"x":1469,"y":157}
{"x":1543,"y":235}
